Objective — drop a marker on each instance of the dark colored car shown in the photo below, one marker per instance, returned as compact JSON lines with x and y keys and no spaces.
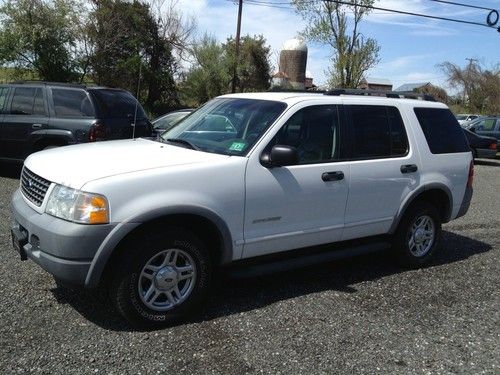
{"x":482,"y":147}
{"x":167,"y":121}
{"x":39,"y":115}
{"x":488,"y":126}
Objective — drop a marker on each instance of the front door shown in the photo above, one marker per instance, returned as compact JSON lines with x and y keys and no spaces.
{"x":4,"y":91}
{"x":26,"y":113}
{"x":300,"y":205}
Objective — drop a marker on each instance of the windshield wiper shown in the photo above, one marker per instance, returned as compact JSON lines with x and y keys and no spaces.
{"x":183,"y":142}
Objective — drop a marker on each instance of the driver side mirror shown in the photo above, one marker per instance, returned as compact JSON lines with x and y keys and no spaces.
{"x":472,"y":129}
{"x":280,"y":156}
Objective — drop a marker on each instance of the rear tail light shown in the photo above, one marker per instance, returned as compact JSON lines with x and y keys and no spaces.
{"x":470,"y":179}
{"x":97,"y":132}
{"x":493,"y":146}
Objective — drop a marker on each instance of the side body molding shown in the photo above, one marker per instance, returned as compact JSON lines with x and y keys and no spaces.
{"x":414,"y":195}
{"x":123,"y":229}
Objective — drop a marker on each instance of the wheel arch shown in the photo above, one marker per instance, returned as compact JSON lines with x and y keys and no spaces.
{"x":202,"y":221}
{"x":436,"y":193}
{"x":43,"y":138}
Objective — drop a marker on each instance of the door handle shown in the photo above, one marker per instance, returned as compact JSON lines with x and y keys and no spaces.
{"x":36,"y":126}
{"x":332,"y":176}
{"x":409,"y":168}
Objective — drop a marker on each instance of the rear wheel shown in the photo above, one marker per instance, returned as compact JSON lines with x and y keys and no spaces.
{"x":418,"y":234}
{"x":161,"y":278}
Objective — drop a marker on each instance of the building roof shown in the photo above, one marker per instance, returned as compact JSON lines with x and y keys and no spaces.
{"x":377,"y":81}
{"x":412,"y":86}
{"x":280,"y":75}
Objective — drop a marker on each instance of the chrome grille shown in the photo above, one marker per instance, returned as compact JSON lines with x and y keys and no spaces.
{"x":33,"y":187}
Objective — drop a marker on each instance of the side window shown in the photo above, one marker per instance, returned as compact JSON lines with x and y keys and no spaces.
{"x":480,"y":125}
{"x":399,"y":141}
{"x":489,"y":124}
{"x":39,"y":106}
{"x":23,"y":100}
{"x":314,"y":132}
{"x":72,"y":103}
{"x":377,"y":132}
{"x":370,"y":131}
{"x":441,"y":130}
{"x":3,"y":98}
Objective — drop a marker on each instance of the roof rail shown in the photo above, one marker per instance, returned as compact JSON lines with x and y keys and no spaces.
{"x":23,"y":82}
{"x":277,"y":89}
{"x":386,"y":94}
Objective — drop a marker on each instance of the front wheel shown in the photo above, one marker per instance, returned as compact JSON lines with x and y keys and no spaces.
{"x":161,"y":278}
{"x":418,"y":235}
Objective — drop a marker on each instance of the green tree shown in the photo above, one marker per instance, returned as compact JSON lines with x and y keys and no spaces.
{"x":209,"y":75}
{"x":41,"y":36}
{"x":328,"y":23}
{"x":127,"y":46}
{"x":253,"y":67}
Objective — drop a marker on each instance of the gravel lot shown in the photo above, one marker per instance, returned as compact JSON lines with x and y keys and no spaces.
{"x":361,"y":315}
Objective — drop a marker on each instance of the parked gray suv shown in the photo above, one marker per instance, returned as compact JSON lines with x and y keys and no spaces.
{"x":38,"y":115}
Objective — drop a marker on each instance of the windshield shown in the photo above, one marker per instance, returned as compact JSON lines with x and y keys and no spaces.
{"x":226,"y":126}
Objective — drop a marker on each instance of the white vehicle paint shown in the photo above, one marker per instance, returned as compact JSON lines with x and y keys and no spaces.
{"x":254,"y":205}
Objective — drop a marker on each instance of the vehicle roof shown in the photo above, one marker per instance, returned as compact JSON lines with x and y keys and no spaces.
{"x":296,"y":97}
{"x":59,"y":85}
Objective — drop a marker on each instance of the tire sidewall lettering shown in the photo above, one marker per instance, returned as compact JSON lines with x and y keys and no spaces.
{"x":137,"y":304}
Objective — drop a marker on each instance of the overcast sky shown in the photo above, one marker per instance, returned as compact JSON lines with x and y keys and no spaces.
{"x":411,"y":47}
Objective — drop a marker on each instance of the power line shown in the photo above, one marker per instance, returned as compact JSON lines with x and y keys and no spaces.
{"x":288,"y":5}
{"x":414,"y":14}
{"x":461,"y":4}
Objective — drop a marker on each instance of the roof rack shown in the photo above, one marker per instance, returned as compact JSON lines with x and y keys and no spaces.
{"x":386,"y":94}
{"x":34,"y":81}
{"x":277,"y":89}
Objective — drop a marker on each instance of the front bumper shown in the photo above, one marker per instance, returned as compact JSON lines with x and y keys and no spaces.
{"x":62,"y":248}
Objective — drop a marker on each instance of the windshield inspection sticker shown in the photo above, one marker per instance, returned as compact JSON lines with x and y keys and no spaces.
{"x":237,"y":146}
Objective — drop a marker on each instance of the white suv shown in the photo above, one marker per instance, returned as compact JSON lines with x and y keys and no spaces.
{"x":244,"y":176}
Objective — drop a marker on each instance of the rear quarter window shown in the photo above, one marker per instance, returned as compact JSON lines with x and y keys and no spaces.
{"x":72,"y":103}
{"x":441,"y":130}
{"x":117,"y":104}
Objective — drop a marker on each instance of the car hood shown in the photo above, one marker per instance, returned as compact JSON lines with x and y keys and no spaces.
{"x":73,"y":166}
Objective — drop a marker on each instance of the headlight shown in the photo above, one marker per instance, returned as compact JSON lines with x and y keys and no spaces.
{"x":78,"y":206}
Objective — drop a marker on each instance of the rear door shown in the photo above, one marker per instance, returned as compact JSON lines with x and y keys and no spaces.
{"x":384,"y":168}
{"x":26,"y":113}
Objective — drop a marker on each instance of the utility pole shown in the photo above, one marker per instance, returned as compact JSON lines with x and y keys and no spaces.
{"x":238,"y":29}
{"x":467,"y":83}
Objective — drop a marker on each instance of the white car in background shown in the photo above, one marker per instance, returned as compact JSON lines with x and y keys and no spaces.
{"x":463,"y":118}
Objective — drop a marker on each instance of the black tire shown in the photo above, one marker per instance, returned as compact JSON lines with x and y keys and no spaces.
{"x":124,"y":288}
{"x":400,"y":242}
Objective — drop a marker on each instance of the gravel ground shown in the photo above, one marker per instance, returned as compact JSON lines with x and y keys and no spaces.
{"x":361,"y":315}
